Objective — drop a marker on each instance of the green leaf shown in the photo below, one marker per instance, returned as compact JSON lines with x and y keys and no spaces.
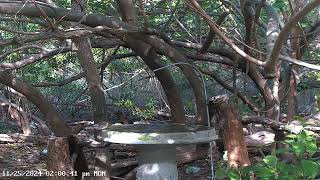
{"x":311,"y":147}
{"x":281,"y":150}
{"x":266,"y":173}
{"x":282,"y":168}
{"x":297,"y":148}
{"x":247,"y":169}
{"x":279,"y":4}
{"x":310,"y":168}
{"x":233,"y":174}
{"x":295,"y":170}
{"x":270,"y":160}
{"x":302,"y":136}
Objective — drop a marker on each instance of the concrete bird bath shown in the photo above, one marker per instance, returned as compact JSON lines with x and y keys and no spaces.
{"x":157,"y":144}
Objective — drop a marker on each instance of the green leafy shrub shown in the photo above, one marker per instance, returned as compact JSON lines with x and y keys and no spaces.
{"x":146,"y":113}
{"x":303,"y":146}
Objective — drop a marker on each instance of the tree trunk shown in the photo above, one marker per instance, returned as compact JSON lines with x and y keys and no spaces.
{"x":189,"y":72}
{"x":126,"y":9}
{"x":86,"y":59}
{"x":100,"y":111}
{"x":58,"y":160}
{"x":169,"y":86}
{"x":227,"y":121}
{"x":292,"y":94}
{"x":78,"y":159}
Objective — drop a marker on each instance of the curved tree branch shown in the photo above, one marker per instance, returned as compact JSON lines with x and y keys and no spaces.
{"x":152,"y":60}
{"x":273,"y":61}
{"x":211,"y":34}
{"x":33,"y":59}
{"x":197,"y":8}
{"x":194,"y":80}
{"x":56,"y":124}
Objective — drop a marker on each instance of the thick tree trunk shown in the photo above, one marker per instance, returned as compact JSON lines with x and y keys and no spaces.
{"x":233,"y":138}
{"x":227,"y":121}
{"x":58,"y":160}
{"x":127,"y":12}
{"x":292,"y":94}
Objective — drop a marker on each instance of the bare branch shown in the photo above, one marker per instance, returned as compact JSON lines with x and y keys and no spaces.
{"x":293,"y":127}
{"x":22,"y":48}
{"x":81,"y":75}
{"x":273,"y":61}
{"x":197,"y":8}
{"x":211,"y":34}
{"x":33,"y":59}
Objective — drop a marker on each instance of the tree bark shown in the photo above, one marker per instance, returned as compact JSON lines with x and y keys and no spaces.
{"x":86,"y":59}
{"x":227,"y":121}
{"x":53,"y":121}
{"x":100,"y":109}
{"x":292,"y":94}
{"x":58,"y":160}
{"x":169,"y":86}
{"x":127,"y":12}
{"x":21,"y":119}
{"x":273,"y":60}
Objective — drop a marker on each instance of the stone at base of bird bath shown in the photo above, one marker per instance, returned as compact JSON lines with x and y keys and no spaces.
{"x":157,"y":162}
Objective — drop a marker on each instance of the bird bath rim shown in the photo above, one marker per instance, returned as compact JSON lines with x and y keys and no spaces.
{"x":144,"y":134}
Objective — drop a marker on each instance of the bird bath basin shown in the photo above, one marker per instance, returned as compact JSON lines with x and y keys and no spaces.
{"x":157,"y":145}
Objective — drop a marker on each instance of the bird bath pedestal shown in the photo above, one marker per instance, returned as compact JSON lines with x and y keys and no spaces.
{"x":157,"y":145}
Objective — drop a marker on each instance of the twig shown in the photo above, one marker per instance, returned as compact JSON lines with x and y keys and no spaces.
{"x":43,"y":14}
{"x":128,"y":80}
{"x":22,"y":48}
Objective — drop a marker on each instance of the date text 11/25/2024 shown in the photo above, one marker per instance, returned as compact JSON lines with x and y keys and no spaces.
{"x":39,"y":173}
